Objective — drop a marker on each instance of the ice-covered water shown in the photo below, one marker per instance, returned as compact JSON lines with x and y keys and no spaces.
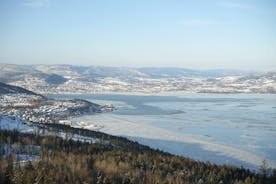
{"x":238,"y":129}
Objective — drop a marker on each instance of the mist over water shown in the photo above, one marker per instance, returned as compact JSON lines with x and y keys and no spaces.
{"x":235,"y":129}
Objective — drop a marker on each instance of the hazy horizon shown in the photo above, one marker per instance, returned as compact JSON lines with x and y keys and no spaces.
{"x":140,"y":67}
{"x":198,"y":35}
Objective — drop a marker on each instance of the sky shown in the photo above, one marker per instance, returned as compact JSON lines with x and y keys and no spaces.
{"x":196,"y":34}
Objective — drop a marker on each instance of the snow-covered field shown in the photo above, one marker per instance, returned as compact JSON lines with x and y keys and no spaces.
{"x":8,"y":123}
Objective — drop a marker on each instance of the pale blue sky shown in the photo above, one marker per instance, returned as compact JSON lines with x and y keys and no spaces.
{"x":198,"y":34}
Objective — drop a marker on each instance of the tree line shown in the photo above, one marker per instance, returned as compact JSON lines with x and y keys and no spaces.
{"x":110,"y":160}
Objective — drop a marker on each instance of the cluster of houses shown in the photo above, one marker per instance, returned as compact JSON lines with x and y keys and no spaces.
{"x":33,"y":109}
{"x":19,"y":100}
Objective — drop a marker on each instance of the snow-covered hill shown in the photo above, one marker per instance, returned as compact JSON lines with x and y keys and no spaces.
{"x":97,"y":79}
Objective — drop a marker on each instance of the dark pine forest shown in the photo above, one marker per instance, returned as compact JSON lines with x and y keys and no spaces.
{"x":110,"y":160}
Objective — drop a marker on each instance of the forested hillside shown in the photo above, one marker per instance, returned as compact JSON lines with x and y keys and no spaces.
{"x":110,"y":160}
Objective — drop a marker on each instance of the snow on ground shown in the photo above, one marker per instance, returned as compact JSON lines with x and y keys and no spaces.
{"x":77,"y":137}
{"x":10,"y":124}
{"x":21,"y":154}
{"x":165,"y":140}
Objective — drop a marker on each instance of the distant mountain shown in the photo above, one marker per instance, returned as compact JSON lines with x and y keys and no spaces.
{"x":267,"y":75}
{"x":58,"y":74}
{"x":182,"y":72}
{"x":12,"y":73}
{"x":97,"y":79}
{"x":125,"y":72}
